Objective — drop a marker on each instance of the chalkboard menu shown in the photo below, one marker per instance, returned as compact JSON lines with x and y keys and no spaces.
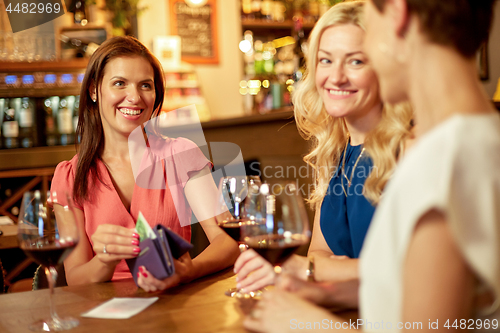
{"x":198,"y":31}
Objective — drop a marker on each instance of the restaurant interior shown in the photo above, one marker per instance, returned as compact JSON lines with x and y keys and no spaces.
{"x":229,"y":65}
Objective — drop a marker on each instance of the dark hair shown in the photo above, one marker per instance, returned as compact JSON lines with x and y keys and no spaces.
{"x":463,"y":24}
{"x":89,"y":128}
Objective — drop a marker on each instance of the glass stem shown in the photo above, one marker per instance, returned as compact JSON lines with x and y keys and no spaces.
{"x":51,"y":274}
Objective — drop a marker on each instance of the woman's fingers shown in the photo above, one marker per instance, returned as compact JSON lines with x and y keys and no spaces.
{"x":112,"y":242}
{"x":243,"y":258}
{"x":252,"y":265}
{"x":149,"y":283}
{"x":259,"y":279}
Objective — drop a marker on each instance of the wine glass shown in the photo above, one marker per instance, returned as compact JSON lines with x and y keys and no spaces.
{"x":48,"y":242}
{"x":281,"y":224}
{"x":231,"y":213}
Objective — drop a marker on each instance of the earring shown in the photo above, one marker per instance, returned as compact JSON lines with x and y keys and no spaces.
{"x":94,"y":100}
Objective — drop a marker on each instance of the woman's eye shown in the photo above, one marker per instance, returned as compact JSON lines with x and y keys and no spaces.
{"x":324,"y":61}
{"x":356,"y":62}
{"x":118,"y":83}
{"x":146,"y":86}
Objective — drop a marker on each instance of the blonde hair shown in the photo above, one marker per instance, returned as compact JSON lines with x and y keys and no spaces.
{"x":329,"y":135}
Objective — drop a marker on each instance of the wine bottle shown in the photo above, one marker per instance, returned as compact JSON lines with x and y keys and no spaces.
{"x":50,"y":109}
{"x":65,"y":122}
{"x":27,"y":132}
{"x":10,"y":125}
{"x":80,"y":15}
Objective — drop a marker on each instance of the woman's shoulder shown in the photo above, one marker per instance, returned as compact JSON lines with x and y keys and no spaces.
{"x":66,"y":168}
{"x":167,"y":145}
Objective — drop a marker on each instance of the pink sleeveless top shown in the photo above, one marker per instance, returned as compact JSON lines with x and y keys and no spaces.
{"x":161,"y":174}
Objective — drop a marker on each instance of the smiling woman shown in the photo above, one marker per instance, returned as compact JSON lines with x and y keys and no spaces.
{"x":123,"y":89}
{"x":356,"y":141}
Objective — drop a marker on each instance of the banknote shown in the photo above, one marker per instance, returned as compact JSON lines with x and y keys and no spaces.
{"x":143,"y":228}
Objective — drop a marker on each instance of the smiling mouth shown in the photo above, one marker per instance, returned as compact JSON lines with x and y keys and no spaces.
{"x":341,"y":92}
{"x":130,"y":112}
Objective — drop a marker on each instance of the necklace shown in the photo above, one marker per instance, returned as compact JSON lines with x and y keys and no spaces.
{"x":349,"y":181}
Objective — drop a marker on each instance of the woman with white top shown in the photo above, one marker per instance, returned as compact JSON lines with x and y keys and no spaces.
{"x":431,"y":258}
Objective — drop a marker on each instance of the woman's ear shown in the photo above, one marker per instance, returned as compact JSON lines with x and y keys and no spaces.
{"x":398,"y":11}
{"x":93,"y":92}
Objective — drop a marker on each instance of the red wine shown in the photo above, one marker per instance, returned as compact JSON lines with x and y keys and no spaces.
{"x":48,"y":253}
{"x":276,"y":248}
{"x":233,"y":228}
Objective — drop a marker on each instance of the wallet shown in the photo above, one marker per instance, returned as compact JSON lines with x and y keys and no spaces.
{"x":157,"y":254}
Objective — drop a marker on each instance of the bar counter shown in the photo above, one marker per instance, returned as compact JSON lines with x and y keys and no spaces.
{"x":199,"y":306}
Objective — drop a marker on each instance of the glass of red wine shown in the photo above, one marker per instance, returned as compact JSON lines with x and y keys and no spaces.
{"x":281,"y":223}
{"x":232,"y":210}
{"x":48,"y":242}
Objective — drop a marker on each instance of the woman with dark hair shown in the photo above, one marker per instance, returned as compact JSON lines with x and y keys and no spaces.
{"x":431,"y":256}
{"x":123,"y":90}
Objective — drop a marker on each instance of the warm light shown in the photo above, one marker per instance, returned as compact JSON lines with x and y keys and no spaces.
{"x":245,"y":46}
{"x":243,"y":91}
{"x":254,"y":91}
{"x":196,"y":3}
{"x":266,"y":55}
{"x":258,"y":45}
{"x":265,"y":83}
{"x":290,"y":88}
{"x":254,"y":84}
{"x":284,"y":41}
{"x":290,"y":81}
{"x":243,"y":84}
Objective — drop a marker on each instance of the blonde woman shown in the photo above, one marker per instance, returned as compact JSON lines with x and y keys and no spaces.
{"x":356,"y":142}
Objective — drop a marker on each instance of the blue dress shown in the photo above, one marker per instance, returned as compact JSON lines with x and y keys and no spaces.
{"x":345,"y":218}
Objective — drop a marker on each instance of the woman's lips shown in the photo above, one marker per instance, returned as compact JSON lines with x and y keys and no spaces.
{"x":131,"y":113}
{"x":340,"y":94}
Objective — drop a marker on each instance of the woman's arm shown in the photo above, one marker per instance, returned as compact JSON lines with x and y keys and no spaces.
{"x":82,"y":266}
{"x":328,"y":267}
{"x":438,"y":283}
{"x":201,"y":193}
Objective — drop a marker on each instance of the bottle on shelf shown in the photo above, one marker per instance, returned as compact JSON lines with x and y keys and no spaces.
{"x":266,"y":10}
{"x":65,"y":120}
{"x":246,"y":9}
{"x":10,"y":124}
{"x":313,"y":9}
{"x":279,"y":11}
{"x":50,"y":106}
{"x":300,"y":49}
{"x":256,"y":9}
{"x":80,"y":15}
{"x":27,"y":124}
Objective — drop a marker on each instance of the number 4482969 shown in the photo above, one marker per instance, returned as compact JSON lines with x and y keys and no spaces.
{"x":472,"y":324}
{"x":33,"y":8}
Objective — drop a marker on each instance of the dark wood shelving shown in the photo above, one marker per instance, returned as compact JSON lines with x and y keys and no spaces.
{"x":266,"y":24}
{"x":41,"y":66}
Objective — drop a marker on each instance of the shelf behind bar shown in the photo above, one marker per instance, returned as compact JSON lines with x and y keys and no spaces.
{"x":40,"y":66}
{"x":265,"y":24}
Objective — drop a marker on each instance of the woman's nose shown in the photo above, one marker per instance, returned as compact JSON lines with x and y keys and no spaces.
{"x":133,"y":95}
{"x":337,"y":75}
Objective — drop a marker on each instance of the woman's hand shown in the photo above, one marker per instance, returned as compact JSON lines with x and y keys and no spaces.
{"x":281,"y":311}
{"x":254,"y":272}
{"x":336,"y":295}
{"x":184,"y":272}
{"x":112,"y":243}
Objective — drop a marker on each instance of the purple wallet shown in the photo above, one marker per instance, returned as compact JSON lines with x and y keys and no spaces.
{"x":157,"y":254}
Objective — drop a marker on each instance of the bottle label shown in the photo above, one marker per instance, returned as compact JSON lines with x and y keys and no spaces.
{"x":64,"y":121}
{"x":10,"y":129}
{"x":25,"y":118}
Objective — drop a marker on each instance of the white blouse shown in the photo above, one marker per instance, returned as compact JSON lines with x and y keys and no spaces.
{"x":455,"y":169}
